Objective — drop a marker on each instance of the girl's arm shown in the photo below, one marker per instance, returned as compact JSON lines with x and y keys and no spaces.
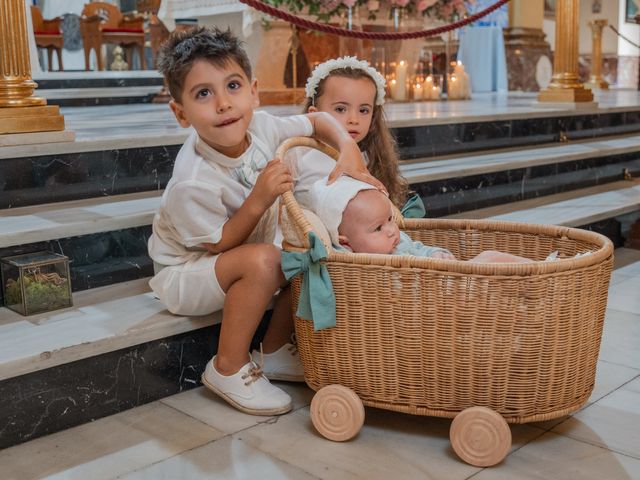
{"x":328,"y":130}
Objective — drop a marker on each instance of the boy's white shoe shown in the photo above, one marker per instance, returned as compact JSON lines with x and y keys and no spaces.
{"x":247,"y":390}
{"x":283,"y":364}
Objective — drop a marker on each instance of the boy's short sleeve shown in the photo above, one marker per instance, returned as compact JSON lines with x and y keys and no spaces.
{"x":196,"y":212}
{"x":275,"y":130}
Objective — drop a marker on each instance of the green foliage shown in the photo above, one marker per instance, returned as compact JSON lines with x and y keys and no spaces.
{"x":40,"y":295}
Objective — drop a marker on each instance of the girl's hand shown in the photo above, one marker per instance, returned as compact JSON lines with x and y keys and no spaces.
{"x":350,"y":162}
{"x":273,"y":181}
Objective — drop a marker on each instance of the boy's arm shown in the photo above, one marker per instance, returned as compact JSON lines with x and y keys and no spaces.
{"x":328,"y":130}
{"x":273,"y":181}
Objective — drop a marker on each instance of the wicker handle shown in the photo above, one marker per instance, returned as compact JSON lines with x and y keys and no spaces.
{"x":294,"y":211}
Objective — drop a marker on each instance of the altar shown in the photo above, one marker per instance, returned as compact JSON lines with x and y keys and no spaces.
{"x":241,"y":19}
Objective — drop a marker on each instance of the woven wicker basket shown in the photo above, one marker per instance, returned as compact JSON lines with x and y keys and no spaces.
{"x":434,"y":337}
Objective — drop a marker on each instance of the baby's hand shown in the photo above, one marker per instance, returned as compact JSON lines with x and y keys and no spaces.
{"x":272,"y":182}
{"x":443,"y":255}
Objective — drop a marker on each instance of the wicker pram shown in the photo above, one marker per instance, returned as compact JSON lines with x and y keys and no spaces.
{"x":498,"y":342}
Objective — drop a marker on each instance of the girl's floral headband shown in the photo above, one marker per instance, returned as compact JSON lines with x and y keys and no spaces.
{"x":324,"y":70}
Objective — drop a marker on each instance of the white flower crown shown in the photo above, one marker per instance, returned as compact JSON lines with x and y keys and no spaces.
{"x":324,"y":69}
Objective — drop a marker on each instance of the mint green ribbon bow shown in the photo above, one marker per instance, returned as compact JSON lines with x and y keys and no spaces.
{"x":317,"y":301}
{"x":414,"y":208}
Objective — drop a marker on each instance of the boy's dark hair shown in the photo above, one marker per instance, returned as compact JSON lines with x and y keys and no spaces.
{"x":183,"y":48}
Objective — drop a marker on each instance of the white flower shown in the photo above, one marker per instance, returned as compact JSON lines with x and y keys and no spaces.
{"x":324,"y":69}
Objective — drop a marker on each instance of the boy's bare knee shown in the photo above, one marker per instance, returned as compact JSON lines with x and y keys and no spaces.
{"x":265,"y":261}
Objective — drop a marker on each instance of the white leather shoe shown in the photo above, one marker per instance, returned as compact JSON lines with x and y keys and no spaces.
{"x":247,"y":390}
{"x":283,"y":364}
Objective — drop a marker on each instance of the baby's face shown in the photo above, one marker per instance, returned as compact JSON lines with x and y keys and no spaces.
{"x":367,"y":224}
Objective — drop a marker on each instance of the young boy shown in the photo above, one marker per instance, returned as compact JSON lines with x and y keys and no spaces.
{"x":213,"y":235}
{"x":359,"y":219}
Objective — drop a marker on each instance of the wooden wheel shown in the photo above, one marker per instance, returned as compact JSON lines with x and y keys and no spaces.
{"x":337,"y":413}
{"x":480,"y":436}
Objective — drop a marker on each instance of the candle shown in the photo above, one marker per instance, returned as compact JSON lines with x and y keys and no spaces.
{"x":426,"y":87}
{"x":393,"y":89}
{"x":463,"y":80}
{"x":453,"y":91}
{"x":435,"y":93}
{"x":401,"y":80}
{"x":417,"y":91}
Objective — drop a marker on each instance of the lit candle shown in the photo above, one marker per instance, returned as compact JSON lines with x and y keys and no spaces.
{"x":463,"y":80}
{"x":435,"y":93}
{"x":453,"y":91}
{"x":393,"y":89}
{"x":426,"y":87}
{"x":401,"y":80}
{"x":417,"y":91}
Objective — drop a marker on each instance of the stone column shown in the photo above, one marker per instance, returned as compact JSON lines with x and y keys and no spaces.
{"x":20,"y":110}
{"x":528,"y":53}
{"x":596,"y":80}
{"x":565,"y":84}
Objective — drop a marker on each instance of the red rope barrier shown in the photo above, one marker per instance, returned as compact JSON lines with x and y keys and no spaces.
{"x":343,"y":32}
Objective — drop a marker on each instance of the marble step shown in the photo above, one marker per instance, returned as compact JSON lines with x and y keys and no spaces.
{"x":97,"y":79}
{"x":89,"y":96}
{"x":52,"y":221}
{"x":458,"y":184}
{"x":101,"y":320}
{"x":571,"y":209}
{"x":115,"y":349}
{"x":454,"y":166}
{"x":19,"y":226}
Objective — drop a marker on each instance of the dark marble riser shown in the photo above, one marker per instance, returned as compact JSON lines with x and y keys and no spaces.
{"x":90,"y":82}
{"x":446,"y":139}
{"x":57,"y":178}
{"x":99,"y":259}
{"x":455,"y":195}
{"x":100,"y":101}
{"x":74,"y":393}
{"x":71,"y":394}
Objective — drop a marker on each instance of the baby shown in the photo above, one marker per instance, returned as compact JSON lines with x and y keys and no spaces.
{"x":359,"y":219}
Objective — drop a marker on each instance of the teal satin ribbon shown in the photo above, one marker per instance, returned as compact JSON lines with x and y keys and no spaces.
{"x":317,"y":301}
{"x":414,"y":208}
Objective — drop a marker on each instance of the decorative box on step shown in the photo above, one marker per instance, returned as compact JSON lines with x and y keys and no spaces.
{"x":36,"y":282}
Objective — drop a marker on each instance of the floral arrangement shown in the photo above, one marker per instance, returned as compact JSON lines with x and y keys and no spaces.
{"x":446,"y":10}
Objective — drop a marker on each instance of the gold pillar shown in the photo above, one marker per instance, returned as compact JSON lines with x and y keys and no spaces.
{"x":20,"y":110}
{"x":565,"y":84}
{"x":596,"y":80}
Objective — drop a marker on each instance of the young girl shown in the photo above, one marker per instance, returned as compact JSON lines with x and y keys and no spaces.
{"x":353,"y":93}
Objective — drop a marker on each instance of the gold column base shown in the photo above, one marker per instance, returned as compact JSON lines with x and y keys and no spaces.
{"x":568,"y":95}
{"x":31,"y":119}
{"x":594,"y":84}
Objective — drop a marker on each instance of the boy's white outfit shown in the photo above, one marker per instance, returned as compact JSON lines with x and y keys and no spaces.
{"x":205,"y":190}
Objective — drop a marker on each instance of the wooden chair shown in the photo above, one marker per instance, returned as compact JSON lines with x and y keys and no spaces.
{"x":48,"y":35}
{"x":103,"y":23}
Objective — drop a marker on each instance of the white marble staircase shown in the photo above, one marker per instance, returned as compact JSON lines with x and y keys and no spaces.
{"x":124,"y":315}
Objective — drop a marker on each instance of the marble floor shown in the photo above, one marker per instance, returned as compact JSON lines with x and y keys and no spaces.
{"x":194,"y":435}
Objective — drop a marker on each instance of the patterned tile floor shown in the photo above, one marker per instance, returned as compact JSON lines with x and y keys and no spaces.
{"x":194,"y":435}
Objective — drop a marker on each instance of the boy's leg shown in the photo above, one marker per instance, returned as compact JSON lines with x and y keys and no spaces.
{"x":280,"y":324}
{"x":279,"y":357}
{"x":250,"y":275}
